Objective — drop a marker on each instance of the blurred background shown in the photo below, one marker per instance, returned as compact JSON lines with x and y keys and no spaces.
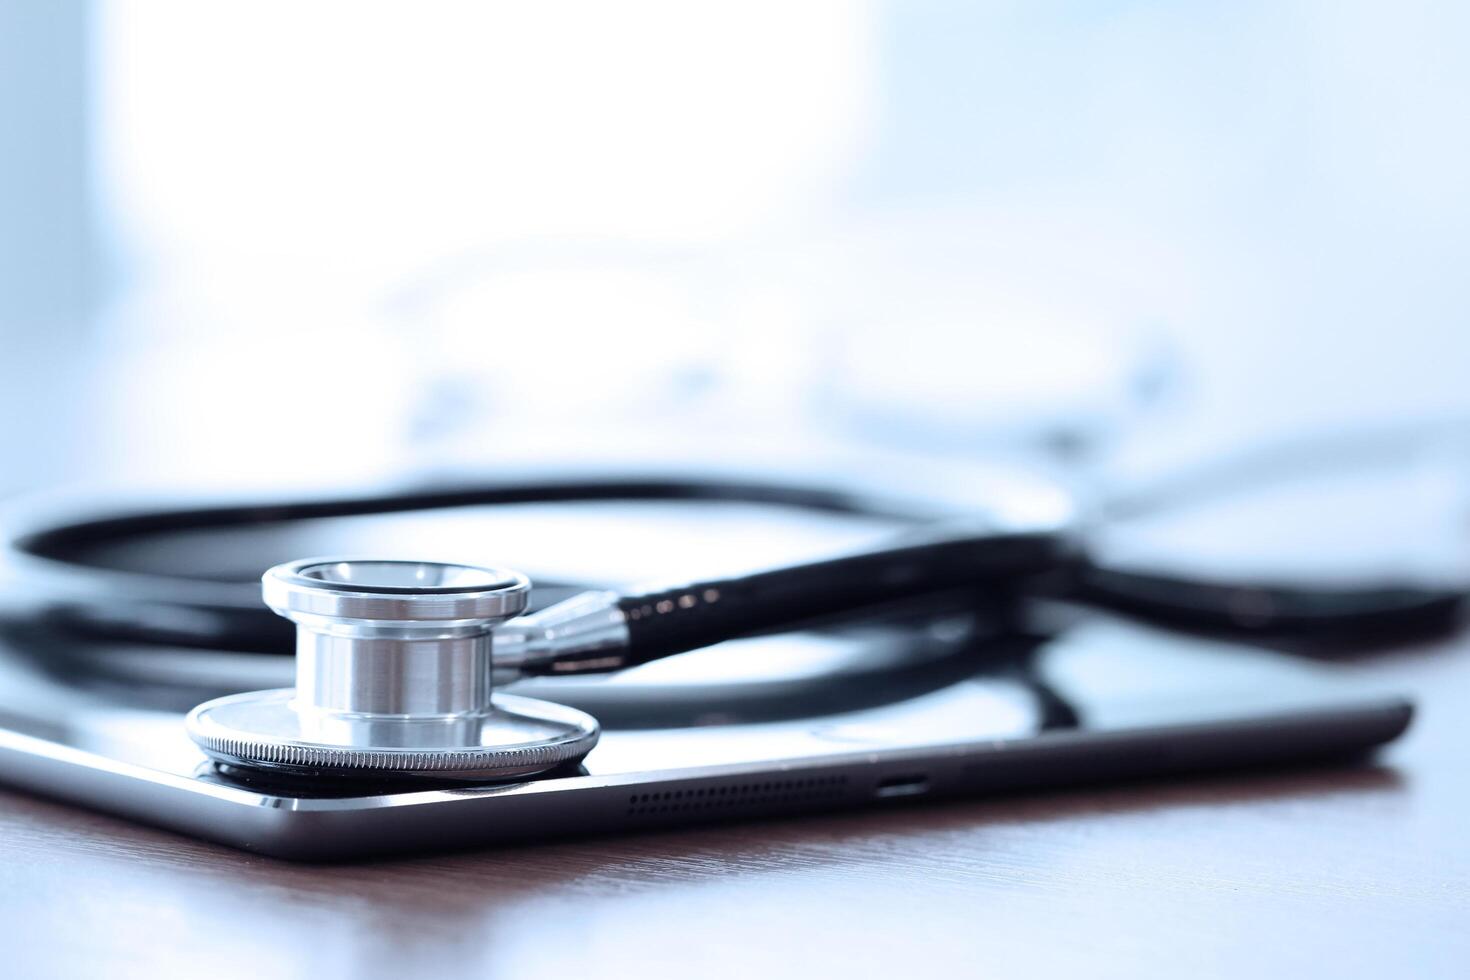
{"x":283,"y":245}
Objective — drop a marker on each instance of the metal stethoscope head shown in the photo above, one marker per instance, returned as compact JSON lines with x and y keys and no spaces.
{"x":397,"y":661}
{"x":395,"y":677}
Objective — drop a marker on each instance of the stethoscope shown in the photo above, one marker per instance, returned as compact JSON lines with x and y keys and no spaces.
{"x":398,"y":662}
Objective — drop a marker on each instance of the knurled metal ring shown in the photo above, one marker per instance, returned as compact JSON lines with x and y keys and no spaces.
{"x":262,"y":730}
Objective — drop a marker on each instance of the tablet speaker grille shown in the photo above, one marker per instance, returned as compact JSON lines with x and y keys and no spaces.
{"x":715,"y":797}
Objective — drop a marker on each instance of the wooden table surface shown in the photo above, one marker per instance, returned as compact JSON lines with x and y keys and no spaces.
{"x":1331,"y":872}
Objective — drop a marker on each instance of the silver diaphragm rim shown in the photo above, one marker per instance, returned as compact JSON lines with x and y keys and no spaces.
{"x":518,"y":737}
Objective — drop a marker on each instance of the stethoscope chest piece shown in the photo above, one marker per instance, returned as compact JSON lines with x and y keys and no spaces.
{"x":394,"y":678}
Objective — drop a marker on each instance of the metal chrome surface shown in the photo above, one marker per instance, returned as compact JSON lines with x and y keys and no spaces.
{"x":516,"y":737}
{"x":580,"y":627}
{"x":394,"y":675}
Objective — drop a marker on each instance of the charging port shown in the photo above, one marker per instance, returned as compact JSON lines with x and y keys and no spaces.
{"x":908,"y":784}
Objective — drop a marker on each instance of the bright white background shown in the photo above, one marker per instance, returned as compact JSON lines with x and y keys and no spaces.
{"x":451,"y":234}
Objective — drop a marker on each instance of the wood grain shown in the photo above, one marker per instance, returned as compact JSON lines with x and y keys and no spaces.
{"x":1336,"y":872}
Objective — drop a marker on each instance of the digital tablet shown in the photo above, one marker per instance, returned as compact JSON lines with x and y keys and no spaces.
{"x":1100,"y":700}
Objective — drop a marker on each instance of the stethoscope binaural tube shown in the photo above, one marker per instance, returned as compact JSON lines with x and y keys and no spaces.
{"x":51,"y":577}
{"x":605,"y":631}
{"x":53,"y":583}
